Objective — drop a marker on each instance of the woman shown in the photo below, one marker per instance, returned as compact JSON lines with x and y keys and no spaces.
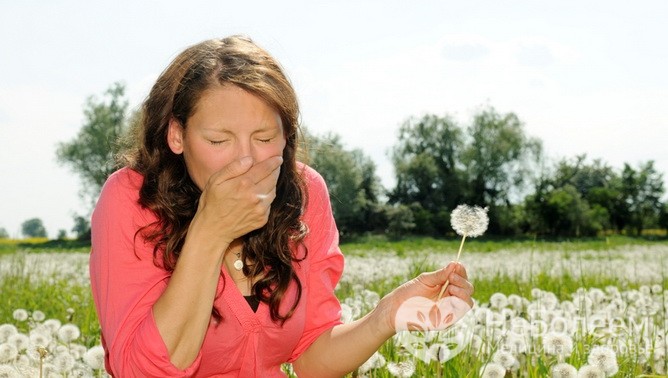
{"x":215,"y":252}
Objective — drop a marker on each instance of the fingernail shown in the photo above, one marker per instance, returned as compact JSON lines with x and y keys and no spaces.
{"x":246,"y":160}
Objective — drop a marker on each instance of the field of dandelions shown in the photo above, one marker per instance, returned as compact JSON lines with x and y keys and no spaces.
{"x":563,"y":311}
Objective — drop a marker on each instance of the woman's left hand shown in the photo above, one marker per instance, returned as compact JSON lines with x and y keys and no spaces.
{"x":427,"y":286}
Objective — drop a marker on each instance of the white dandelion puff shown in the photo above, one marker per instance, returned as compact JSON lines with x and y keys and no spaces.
{"x":402,"y":369}
{"x":564,"y":370}
{"x":505,"y":359}
{"x":590,"y":371}
{"x":64,"y":362}
{"x":8,"y":352}
{"x":38,"y":316}
{"x":376,"y":361}
{"x":20,"y":341}
{"x":94,"y":357}
{"x":469,"y":221}
{"x":557,"y":344}
{"x":7,"y":371}
{"x":53,"y":325}
{"x":20,"y":315}
{"x":68,"y":333}
{"x":492,"y":370}
{"x":605,"y":359}
{"x":498,"y":301}
{"x":7,"y":330}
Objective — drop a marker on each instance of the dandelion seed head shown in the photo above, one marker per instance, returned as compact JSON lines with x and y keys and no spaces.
{"x":604,"y":358}
{"x":53,"y":325}
{"x":504,"y":358}
{"x":469,"y":221}
{"x":38,"y":316}
{"x":564,"y":370}
{"x":492,"y":370}
{"x":68,"y":333}
{"x":7,"y":371}
{"x":20,"y":315}
{"x":7,"y":330}
{"x":498,"y":300}
{"x":557,"y":344}
{"x":376,"y":361}
{"x":403,"y":369}
{"x":63,"y":362}
{"x":39,"y":338}
{"x":20,"y":341}
{"x":8,"y":352}
{"x":590,"y":371}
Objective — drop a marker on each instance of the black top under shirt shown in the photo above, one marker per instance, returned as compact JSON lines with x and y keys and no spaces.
{"x":252,"y":302}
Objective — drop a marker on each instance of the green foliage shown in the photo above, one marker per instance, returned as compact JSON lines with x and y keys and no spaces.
{"x":91,"y":154}
{"x":33,"y":228}
{"x":353,"y":185}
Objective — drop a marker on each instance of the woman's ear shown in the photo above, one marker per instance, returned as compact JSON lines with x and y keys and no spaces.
{"x":175,"y":136}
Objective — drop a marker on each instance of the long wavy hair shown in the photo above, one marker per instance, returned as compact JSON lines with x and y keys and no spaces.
{"x":170,"y":193}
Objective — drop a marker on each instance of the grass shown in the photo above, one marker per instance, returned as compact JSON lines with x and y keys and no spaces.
{"x":66,"y":295}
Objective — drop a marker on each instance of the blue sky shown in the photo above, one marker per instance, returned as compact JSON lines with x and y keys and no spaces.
{"x":584,"y":77}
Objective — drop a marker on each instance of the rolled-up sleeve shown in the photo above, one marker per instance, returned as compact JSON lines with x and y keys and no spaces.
{"x":325,"y":264}
{"x":126,"y":283}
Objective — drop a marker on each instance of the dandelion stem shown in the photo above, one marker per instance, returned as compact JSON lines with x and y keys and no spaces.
{"x":459,"y":253}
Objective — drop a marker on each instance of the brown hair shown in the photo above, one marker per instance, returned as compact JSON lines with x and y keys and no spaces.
{"x":170,"y":193}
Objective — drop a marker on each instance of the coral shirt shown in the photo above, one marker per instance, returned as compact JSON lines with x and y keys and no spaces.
{"x":126,"y":283}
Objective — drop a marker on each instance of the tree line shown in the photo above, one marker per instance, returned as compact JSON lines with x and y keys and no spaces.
{"x":438,"y":163}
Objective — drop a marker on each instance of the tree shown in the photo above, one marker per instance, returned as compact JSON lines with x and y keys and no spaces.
{"x":81,"y":228}
{"x":91,"y":154}
{"x":352,"y":183}
{"x":498,"y":159}
{"x":33,"y":228}
{"x":428,"y":171}
{"x":642,"y":190}
{"x":3,"y":233}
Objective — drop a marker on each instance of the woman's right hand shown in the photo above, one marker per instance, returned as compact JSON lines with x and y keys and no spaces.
{"x":237,"y":199}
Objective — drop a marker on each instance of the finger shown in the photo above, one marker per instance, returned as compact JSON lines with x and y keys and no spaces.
{"x":233,"y":169}
{"x":461,"y":270}
{"x":268,"y":168}
{"x":436,"y":278}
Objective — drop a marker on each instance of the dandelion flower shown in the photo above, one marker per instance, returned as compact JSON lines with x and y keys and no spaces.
{"x":68,"y":333}
{"x":439,"y":352}
{"x":469,"y":221}
{"x":8,"y":352}
{"x":53,"y":325}
{"x":38,"y":316}
{"x":9,"y":372}
{"x":564,"y":370}
{"x":604,"y":358}
{"x":402,"y":369}
{"x":20,"y":341}
{"x":498,"y":300}
{"x":590,"y":371}
{"x":40,"y":338}
{"x":64,"y":362}
{"x":505,"y":359}
{"x":492,"y":370}
{"x":7,"y":330}
{"x":376,"y":361}
{"x":557,"y":344}
{"x":20,"y":315}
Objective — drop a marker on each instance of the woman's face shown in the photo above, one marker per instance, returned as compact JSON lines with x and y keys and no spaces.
{"x":228,"y":123}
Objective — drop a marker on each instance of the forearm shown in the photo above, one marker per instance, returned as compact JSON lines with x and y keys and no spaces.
{"x":183,"y":312}
{"x":345,"y":347}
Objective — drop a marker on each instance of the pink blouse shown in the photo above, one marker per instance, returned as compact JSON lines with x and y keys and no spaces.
{"x":126,"y":283}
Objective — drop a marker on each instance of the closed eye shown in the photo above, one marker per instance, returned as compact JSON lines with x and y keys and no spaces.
{"x":216,"y":142}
